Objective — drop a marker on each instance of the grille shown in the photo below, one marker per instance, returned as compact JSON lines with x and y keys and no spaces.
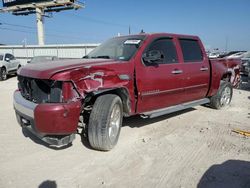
{"x":40,"y":91}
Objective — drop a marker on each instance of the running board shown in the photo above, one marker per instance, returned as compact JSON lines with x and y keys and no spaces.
{"x":171,"y":109}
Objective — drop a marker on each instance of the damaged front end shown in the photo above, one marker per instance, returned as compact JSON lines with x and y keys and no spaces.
{"x":48,"y":108}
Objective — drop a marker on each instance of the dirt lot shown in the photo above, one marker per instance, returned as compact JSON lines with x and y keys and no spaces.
{"x":193,"y":148}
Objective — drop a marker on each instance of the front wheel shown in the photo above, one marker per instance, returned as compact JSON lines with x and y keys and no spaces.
{"x":105,"y":122}
{"x":223,"y":96}
{"x":3,"y":74}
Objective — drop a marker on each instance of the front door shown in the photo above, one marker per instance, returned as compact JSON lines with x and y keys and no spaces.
{"x":159,"y":76}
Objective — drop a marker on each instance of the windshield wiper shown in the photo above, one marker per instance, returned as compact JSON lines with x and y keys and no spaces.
{"x":101,"y":56}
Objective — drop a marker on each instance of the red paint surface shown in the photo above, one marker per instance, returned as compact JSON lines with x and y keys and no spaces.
{"x":57,"y":119}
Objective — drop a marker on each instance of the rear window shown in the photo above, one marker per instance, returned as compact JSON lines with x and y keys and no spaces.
{"x":191,"y":50}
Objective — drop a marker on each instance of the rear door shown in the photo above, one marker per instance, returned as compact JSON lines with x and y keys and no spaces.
{"x":196,"y":69}
{"x":160,"y":83}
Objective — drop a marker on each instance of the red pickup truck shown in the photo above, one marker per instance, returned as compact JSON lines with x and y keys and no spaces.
{"x":145,"y":74}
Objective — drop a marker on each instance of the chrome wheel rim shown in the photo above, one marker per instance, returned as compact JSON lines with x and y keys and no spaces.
{"x":4,"y":75}
{"x":115,"y":121}
{"x":225,"y":97}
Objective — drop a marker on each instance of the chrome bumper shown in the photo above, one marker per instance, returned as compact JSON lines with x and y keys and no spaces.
{"x":25,"y":116}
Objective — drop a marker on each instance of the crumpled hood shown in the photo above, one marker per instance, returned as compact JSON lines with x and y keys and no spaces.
{"x":46,"y":70}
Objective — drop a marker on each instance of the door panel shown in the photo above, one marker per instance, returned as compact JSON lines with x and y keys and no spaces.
{"x":159,"y":83}
{"x":196,"y":70}
{"x":159,"y":87}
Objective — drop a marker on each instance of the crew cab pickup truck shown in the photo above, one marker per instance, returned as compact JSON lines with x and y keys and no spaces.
{"x":8,"y":65}
{"x":145,"y":74}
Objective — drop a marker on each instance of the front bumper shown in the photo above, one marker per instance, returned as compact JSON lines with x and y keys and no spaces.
{"x":54,"y":123}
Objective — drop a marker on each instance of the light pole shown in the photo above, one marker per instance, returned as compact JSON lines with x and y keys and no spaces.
{"x":40,"y":23}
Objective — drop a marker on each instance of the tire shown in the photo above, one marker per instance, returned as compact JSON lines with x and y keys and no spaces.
{"x":19,"y":66}
{"x":223,"y":96}
{"x":103,"y":130}
{"x":3,"y":74}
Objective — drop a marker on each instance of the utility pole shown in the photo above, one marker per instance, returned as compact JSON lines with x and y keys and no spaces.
{"x":40,"y":8}
{"x":40,"y":24}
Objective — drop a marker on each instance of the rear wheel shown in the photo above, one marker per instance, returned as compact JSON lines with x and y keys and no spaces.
{"x":105,"y":122}
{"x":3,"y":74}
{"x":223,"y":96}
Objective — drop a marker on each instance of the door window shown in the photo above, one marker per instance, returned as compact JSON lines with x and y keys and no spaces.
{"x":167,"y":50}
{"x":9,"y":56}
{"x":191,"y":50}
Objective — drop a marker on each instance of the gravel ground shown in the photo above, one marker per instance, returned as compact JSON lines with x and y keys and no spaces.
{"x":192,"y":148}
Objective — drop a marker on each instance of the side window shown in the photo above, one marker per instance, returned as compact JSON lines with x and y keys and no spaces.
{"x":1,"y":57}
{"x":167,"y":51}
{"x":191,"y":50}
{"x":12,"y":57}
{"x":7,"y":56}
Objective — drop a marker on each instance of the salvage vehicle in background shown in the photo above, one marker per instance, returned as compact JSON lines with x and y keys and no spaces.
{"x":245,"y":69}
{"x":229,"y":54}
{"x":146,"y":74}
{"x":233,"y":68}
{"x":8,"y":65}
{"x":41,"y":59}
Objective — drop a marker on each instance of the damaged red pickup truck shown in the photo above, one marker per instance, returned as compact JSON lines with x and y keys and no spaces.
{"x":146,"y":74}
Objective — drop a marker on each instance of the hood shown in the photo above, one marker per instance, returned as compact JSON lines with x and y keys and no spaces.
{"x":46,"y":70}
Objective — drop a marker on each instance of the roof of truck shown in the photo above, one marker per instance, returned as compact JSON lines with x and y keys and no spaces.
{"x":164,"y":34}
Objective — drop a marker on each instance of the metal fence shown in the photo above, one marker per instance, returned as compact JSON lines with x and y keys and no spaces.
{"x":25,"y":53}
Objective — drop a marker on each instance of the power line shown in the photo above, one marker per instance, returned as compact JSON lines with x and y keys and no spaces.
{"x":98,"y":21}
{"x":16,"y":25}
{"x":30,"y":32}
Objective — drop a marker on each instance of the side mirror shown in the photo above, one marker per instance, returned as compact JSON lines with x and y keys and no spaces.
{"x":152,"y":56}
{"x":7,"y":59}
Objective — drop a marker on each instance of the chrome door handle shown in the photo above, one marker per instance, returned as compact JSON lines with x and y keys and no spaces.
{"x":203,"y":69}
{"x":177,"y":72}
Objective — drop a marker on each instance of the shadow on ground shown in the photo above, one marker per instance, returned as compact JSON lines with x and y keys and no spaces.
{"x":137,"y":121}
{"x":28,"y":134}
{"x":48,"y":184}
{"x":230,"y":174}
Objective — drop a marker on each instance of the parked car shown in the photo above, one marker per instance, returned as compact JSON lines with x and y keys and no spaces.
{"x":236,"y":55}
{"x":41,"y":59}
{"x":146,"y":74}
{"x":245,"y":67}
{"x":229,"y":54}
{"x":213,"y":55}
{"x":8,"y":65}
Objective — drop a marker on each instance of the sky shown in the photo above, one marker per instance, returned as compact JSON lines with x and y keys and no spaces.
{"x":223,"y":24}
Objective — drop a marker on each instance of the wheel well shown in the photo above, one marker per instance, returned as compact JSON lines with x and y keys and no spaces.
{"x":226,"y":76}
{"x":121,"y":92}
{"x":3,"y":67}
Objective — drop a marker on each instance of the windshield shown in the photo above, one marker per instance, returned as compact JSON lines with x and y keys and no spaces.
{"x":120,"y":48}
